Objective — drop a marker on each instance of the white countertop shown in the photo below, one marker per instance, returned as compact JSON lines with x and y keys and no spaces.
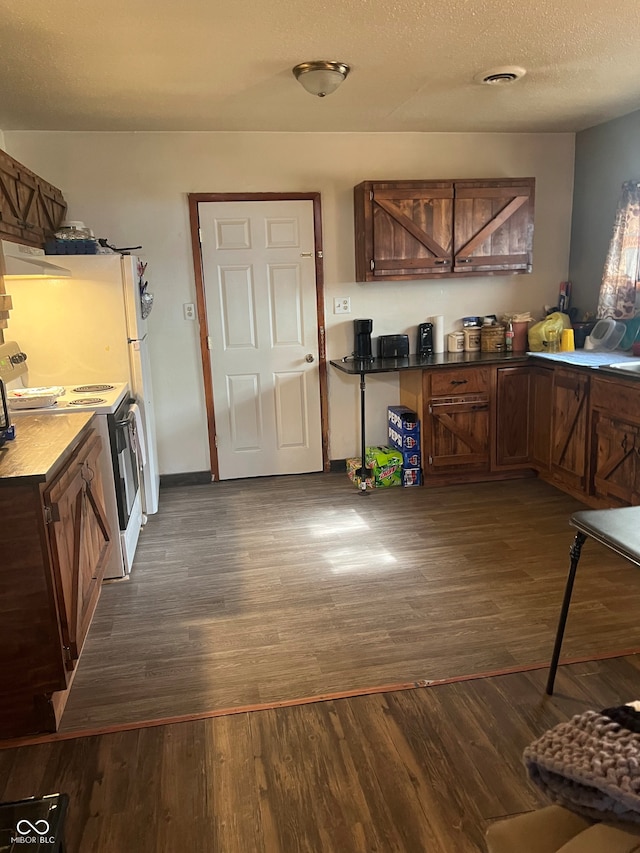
{"x":586,"y":358}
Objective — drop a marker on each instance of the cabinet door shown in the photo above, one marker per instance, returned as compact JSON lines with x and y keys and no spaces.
{"x":512,"y":442}
{"x":80,"y":542}
{"x":458,"y":432}
{"x":493,"y":226}
{"x":30,"y":209}
{"x":403,"y":229}
{"x":569,"y":432}
{"x":616,"y":464}
{"x":540,"y":417}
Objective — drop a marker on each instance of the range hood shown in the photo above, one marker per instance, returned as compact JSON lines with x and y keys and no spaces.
{"x":22,"y":261}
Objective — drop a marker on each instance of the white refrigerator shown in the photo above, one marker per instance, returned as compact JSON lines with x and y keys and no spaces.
{"x":90,"y":329}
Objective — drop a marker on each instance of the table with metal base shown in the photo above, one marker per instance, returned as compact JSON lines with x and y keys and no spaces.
{"x":617,"y":529}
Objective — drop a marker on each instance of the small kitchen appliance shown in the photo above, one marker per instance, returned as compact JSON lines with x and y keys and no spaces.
{"x":362,"y":340}
{"x":425,"y":339}
{"x":393,"y":346}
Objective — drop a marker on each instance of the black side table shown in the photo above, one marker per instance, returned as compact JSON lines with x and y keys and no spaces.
{"x":617,"y":529}
{"x":36,"y":823}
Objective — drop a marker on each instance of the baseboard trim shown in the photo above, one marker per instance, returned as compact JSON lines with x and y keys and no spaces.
{"x":189,"y":478}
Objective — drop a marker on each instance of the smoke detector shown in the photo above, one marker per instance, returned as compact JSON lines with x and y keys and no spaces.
{"x":502,"y":76}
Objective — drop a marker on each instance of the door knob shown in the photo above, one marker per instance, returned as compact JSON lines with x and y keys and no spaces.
{"x":309,"y":357}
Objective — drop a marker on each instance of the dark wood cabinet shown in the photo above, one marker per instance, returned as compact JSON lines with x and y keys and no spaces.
{"x":31,"y":209}
{"x":493,"y":226}
{"x":540,"y":417}
{"x":475,"y":421}
{"x":512,"y":417}
{"x":458,"y":414}
{"x":617,"y":445}
{"x":80,"y":540}
{"x":55,"y":544}
{"x":579,"y":429}
{"x":569,"y":428}
{"x":426,"y":229}
{"x":615,"y":441}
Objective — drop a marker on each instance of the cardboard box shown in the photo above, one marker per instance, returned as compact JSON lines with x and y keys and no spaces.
{"x":411,"y":458}
{"x":412,"y":477}
{"x":402,"y":418}
{"x":404,"y":428}
{"x":405,"y":440}
{"x":385,"y":465}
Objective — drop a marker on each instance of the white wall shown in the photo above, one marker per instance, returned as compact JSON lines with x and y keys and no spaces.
{"x":132,"y":188}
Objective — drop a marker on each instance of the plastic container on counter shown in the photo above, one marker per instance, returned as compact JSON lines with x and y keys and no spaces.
{"x":607,"y":334}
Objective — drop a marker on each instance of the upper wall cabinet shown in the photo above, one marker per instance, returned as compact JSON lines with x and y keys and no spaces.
{"x":30,"y":208}
{"x":433,"y":229}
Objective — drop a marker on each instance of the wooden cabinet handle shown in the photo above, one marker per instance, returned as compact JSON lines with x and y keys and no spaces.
{"x":624,"y":443}
{"x":459,"y":381}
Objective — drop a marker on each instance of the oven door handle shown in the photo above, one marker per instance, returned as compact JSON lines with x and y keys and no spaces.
{"x":125,"y":423}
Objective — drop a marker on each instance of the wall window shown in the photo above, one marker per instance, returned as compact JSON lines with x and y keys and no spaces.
{"x":620,"y":288}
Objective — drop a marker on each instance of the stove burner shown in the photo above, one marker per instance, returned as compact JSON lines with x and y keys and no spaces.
{"x":81,"y":389}
{"x":87,"y":401}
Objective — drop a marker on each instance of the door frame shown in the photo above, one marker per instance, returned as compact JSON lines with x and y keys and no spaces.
{"x":198,"y":268}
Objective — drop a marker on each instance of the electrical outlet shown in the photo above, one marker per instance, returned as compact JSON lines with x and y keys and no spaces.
{"x":342,"y":305}
{"x":189,"y":311}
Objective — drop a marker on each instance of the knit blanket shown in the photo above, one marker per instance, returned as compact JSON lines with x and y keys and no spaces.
{"x":591,"y":764}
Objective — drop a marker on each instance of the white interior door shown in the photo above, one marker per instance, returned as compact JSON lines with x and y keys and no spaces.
{"x":260,"y":289}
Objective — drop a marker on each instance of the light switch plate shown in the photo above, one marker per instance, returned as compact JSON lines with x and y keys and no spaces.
{"x":342,"y":305}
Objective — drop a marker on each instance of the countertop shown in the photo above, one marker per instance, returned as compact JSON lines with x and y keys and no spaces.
{"x":589,"y":359}
{"x":422,"y":362}
{"x":39,"y":443}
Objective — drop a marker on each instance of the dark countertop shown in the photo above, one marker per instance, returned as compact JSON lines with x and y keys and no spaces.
{"x":436,"y":360}
{"x":41,"y":440}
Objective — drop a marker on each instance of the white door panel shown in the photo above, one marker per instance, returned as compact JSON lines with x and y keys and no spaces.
{"x":259,"y":278}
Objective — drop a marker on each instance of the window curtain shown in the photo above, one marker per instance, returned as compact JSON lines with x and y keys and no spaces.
{"x":620,"y":280}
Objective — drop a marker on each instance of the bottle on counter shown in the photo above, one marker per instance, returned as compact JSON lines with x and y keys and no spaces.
{"x":508,"y":337}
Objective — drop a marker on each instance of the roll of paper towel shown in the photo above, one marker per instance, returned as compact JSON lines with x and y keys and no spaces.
{"x":438,"y":333}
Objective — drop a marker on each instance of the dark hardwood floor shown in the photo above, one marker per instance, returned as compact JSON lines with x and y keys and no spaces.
{"x":282,"y":588}
{"x":253,"y":592}
{"x":419,"y":771}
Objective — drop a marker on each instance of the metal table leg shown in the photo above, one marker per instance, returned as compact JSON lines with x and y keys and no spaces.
{"x":574,"y":553}
{"x":363,"y":443}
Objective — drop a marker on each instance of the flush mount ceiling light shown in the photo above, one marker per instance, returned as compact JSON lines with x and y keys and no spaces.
{"x":321,"y":77}
{"x":502,"y":76}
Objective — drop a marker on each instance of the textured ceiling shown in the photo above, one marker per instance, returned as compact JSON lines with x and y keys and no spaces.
{"x":226,"y":64}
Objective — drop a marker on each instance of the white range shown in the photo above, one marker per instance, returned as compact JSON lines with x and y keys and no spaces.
{"x":118,"y":422}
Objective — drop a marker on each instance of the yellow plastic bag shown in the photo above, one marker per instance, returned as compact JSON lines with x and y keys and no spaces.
{"x":539,"y":333}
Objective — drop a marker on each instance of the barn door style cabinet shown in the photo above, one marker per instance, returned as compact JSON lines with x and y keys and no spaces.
{"x":55,"y":544}
{"x":569,"y":428}
{"x":615,"y":441}
{"x":433,"y":229}
{"x":31,"y":209}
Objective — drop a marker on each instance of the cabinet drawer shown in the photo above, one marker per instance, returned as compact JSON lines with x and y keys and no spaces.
{"x":460,"y":380}
{"x":623,"y":399}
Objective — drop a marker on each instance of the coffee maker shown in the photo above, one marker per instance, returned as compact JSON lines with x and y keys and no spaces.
{"x":425,"y":339}
{"x":362,"y":340}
